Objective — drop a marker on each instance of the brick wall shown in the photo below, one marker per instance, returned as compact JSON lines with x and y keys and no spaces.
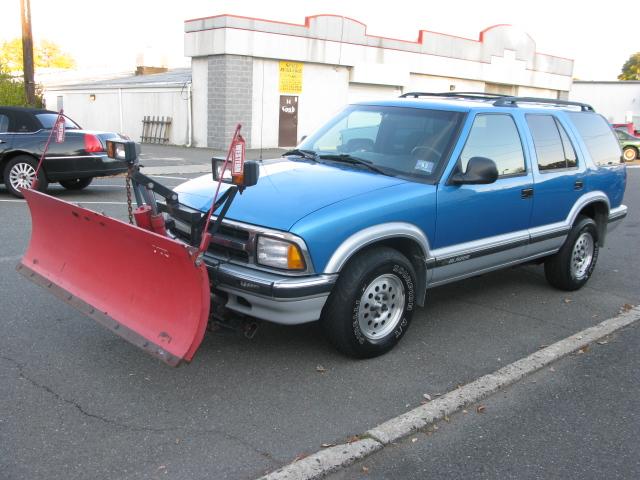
{"x":229,"y":98}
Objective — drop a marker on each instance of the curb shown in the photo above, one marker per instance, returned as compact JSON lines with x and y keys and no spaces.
{"x":327,"y":461}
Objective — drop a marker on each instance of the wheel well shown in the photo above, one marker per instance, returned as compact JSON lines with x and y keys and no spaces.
{"x":599,"y":213}
{"x":413,"y":251}
{"x":9,"y":156}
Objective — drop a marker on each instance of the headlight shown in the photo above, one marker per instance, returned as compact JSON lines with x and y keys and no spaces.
{"x":277,"y":253}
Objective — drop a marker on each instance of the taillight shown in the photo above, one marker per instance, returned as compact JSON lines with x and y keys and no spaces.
{"x":92,"y":143}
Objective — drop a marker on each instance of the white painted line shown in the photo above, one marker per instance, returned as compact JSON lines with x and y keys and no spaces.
{"x":170,"y":178}
{"x":180,"y":169}
{"x":326,"y":461}
{"x":633,"y":166}
{"x":10,"y":259}
{"x":77,"y":202}
{"x":11,"y":200}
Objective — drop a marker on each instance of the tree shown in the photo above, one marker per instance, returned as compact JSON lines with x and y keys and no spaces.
{"x":631,"y":68}
{"x":12,"y":91}
{"x":46,"y":54}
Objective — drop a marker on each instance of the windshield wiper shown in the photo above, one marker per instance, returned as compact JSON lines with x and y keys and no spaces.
{"x":346,"y":158}
{"x":308,"y":154}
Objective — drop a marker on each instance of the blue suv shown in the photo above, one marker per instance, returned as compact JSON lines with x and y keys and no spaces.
{"x":393,"y":197}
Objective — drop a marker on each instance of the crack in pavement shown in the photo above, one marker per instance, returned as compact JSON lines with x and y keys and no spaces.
{"x":134,"y":428}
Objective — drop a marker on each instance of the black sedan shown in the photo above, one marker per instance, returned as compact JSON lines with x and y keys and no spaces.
{"x":73,"y":163}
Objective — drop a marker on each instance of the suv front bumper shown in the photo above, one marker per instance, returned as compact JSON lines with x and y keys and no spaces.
{"x":268,"y":296}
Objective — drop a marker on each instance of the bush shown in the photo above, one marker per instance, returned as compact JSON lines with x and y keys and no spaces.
{"x":12,"y":92}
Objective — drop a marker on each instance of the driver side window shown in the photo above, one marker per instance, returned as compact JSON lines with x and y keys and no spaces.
{"x":496,"y":137}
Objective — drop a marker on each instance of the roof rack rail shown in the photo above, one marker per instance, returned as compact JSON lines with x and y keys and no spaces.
{"x":507,"y":101}
{"x":466,"y":95}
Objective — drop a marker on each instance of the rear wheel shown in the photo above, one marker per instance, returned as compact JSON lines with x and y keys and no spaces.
{"x":371,"y":305}
{"x":76,"y":183}
{"x":19,"y":173}
{"x":629,"y":154}
{"x":572,"y":266}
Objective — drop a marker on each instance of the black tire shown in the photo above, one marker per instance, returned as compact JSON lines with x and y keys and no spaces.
{"x":377,"y":267}
{"x":76,"y":183}
{"x":20,"y":166}
{"x":629,"y":154}
{"x":565,"y":270}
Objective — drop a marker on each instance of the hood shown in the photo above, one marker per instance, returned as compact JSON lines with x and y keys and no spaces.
{"x":287,"y":191}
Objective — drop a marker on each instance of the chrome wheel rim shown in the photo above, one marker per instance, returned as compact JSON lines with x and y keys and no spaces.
{"x":629,"y":154}
{"x":381,"y":306}
{"x":21,"y":175}
{"x":582,"y":255}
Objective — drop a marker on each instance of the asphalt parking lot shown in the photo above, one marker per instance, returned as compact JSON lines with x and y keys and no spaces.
{"x":79,"y":402}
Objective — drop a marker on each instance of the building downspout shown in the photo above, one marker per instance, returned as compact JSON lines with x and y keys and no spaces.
{"x":120,"y":108}
{"x":189,"y":117}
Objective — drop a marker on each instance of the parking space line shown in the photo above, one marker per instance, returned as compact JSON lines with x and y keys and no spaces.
{"x":77,"y":202}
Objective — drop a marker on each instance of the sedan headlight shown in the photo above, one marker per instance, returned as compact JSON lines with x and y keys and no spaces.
{"x":278,"y":253}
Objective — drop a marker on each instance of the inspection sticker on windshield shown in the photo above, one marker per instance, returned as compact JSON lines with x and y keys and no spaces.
{"x":425,"y":166}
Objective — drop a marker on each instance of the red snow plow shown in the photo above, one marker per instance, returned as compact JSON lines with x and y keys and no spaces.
{"x":93,"y":262}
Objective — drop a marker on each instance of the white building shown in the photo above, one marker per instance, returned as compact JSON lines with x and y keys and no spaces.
{"x":619,"y":102}
{"x":283,"y":80}
{"x":120,"y":104}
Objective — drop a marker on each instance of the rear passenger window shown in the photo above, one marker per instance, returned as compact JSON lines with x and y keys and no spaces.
{"x":553,"y":147}
{"x":496,"y":137}
{"x":4,"y":123}
{"x":602,"y":144}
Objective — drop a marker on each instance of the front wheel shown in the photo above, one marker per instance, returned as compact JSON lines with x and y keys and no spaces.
{"x":76,"y":183}
{"x":572,"y":266}
{"x":371,"y":304}
{"x":19,"y":173}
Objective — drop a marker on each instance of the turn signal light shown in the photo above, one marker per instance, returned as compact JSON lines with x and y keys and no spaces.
{"x":294,"y":258}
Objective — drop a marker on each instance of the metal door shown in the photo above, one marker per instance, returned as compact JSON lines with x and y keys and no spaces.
{"x":288,"y":127}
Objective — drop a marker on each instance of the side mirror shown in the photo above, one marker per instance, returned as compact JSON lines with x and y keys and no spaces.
{"x":249,"y":177}
{"x":480,"y":171}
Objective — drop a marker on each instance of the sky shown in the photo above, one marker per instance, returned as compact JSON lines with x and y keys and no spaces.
{"x":109,"y":34}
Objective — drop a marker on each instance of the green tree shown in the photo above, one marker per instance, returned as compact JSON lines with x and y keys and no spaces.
{"x":46,"y":54}
{"x":12,"y":91}
{"x":631,"y":68}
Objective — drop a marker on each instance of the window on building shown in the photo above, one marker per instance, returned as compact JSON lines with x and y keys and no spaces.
{"x":495,"y":137}
{"x":553,"y":147}
{"x":598,"y":137}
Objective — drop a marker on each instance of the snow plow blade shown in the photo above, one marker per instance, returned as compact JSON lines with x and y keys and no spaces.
{"x":144,"y":287}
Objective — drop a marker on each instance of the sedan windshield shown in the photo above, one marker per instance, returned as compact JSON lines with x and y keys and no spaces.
{"x":48,"y":119}
{"x":402,"y":141}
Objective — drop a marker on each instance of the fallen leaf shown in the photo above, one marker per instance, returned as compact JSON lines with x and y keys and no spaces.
{"x":353,"y":438}
{"x":300,"y":457}
{"x":626,"y":307}
{"x":551,"y":369}
{"x":567,"y":300}
{"x":414,"y":440}
{"x":481,"y":408}
{"x":602,"y":342}
{"x":161,"y":467}
{"x":365,"y":469}
{"x":584,"y":349}
{"x":327,"y":445}
{"x":447,"y":419}
{"x":321,"y":369}
{"x":465,"y":411}
{"x":426,"y":396}
{"x":436,"y":427}
{"x":540,"y":347}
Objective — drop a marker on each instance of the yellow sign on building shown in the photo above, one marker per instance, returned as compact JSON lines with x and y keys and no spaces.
{"x":290,"y":77}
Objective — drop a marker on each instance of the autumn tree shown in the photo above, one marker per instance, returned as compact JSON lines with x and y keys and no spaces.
{"x":46,"y":54}
{"x":631,"y":68}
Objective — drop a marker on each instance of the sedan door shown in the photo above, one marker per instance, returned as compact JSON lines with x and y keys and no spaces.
{"x":6,"y":138}
{"x":483,"y":227}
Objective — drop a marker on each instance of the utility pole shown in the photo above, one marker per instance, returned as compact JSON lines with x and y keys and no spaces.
{"x":27,"y":52}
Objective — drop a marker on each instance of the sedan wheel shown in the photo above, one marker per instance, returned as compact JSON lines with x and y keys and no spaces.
{"x":76,"y":183}
{"x":20,"y":172}
{"x":629,"y":154}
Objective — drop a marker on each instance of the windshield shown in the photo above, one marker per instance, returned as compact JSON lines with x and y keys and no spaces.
{"x":48,"y":119}
{"x":398,"y":140}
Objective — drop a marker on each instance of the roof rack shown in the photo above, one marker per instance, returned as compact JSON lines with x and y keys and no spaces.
{"x":507,"y":101}
{"x":466,"y":95}
{"x":501,"y":100}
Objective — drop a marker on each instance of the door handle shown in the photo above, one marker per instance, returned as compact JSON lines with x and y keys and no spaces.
{"x":526,"y":192}
{"x":578,"y":185}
